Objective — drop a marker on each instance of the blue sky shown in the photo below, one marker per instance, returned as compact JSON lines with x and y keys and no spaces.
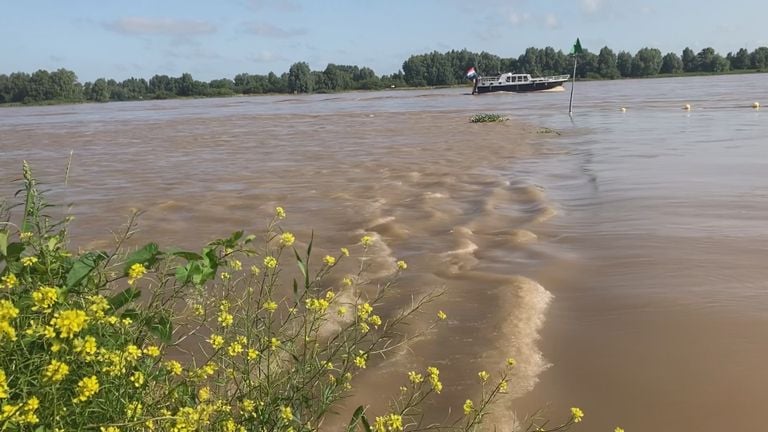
{"x":214,"y":39}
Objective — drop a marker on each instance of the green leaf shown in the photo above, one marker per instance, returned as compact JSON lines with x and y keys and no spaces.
{"x":146,"y":255}
{"x":355,"y":419}
{"x":83,"y":267}
{"x":3,"y":242}
{"x":124,"y":297}
{"x":295,"y":288}
{"x":366,"y":425}
{"x":132,"y":314}
{"x":249,"y":238}
{"x":187,"y":255}
{"x":162,"y":328}
{"x":13,"y":251}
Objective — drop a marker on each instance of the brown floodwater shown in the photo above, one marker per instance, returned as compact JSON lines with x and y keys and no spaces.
{"x":621,"y":260}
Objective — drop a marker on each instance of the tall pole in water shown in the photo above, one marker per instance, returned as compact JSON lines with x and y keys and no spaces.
{"x":573,"y":84}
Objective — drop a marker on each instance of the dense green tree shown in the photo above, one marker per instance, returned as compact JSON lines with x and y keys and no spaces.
{"x":624,"y":63}
{"x":606,"y":64}
{"x":646,"y":62}
{"x":740,"y":60}
{"x":300,"y":78}
{"x":689,"y":60}
{"x":586,"y":66}
{"x":99,"y":91}
{"x":759,"y":58}
{"x":671,"y":64}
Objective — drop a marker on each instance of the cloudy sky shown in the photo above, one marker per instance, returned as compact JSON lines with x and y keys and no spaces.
{"x":214,"y":39}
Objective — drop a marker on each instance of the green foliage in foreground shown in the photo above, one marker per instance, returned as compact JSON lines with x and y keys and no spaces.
{"x":169,"y":340}
{"x":487,"y":118}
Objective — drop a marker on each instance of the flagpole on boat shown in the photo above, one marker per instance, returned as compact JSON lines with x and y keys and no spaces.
{"x":576,"y":51}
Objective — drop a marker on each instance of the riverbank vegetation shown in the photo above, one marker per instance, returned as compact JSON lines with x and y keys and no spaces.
{"x":432,"y":69}
{"x":487,"y":118}
{"x":249,"y":333}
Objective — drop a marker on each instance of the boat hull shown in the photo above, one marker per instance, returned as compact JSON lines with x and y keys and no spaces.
{"x":520,"y":87}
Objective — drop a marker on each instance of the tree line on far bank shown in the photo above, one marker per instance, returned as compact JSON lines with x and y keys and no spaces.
{"x":431,"y":69}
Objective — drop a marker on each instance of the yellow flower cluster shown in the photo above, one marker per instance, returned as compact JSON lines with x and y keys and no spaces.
{"x":577,"y":414}
{"x":55,"y":371}
{"x":86,"y":347}
{"x":173,"y":367}
{"x":287,"y":239}
{"x":69,"y":322}
{"x":270,"y":306}
{"x":217,"y":341}
{"x":7,"y":312}
{"x":3,"y":385}
{"x":469,"y":406}
{"x":433,"y":374}
{"x":441,"y":315}
{"x":402,"y":265}
{"x":9,"y":281}
{"x":360,"y":360}
{"x":388,"y":423}
{"x":44,"y":298}
{"x":98,"y":306}
{"x":618,"y":429}
{"x":270,"y":262}
{"x":225,"y":318}
{"x":286,"y":413}
{"x":483,"y":376}
{"x":316,"y":305}
{"x":86,"y":388}
{"x":29,"y":261}
{"x":366,"y":241}
{"x":20,"y":413}
{"x":329,"y":260}
{"x":25,"y":236}
{"x":345,"y":251}
{"x":279,"y":213}
{"x":135,"y":272}
{"x":415,"y":377}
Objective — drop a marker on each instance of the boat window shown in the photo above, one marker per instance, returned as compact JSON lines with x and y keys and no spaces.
{"x":509,"y":79}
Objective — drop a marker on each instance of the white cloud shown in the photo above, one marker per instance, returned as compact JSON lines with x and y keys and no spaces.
{"x":551,"y":21}
{"x":518,"y":18}
{"x":269,"y":30}
{"x":159,"y":26}
{"x":265,"y":57}
{"x":591,"y":6}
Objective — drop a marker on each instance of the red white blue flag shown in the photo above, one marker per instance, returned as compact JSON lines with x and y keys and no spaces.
{"x":471,"y":73}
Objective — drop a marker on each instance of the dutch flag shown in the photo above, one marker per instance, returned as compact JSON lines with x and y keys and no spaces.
{"x":471,"y":73}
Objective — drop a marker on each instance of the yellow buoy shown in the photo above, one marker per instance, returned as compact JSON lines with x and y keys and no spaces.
{"x":622,"y":109}
{"x":687,"y":107}
{"x":755,"y":105}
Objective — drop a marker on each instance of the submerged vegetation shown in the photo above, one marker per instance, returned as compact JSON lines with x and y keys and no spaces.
{"x":220,"y":339}
{"x":487,"y":118}
{"x":431,"y":69}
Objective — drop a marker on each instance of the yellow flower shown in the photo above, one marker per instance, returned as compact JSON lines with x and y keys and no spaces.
{"x":316,"y":305}
{"x":135,"y":272}
{"x":468,"y":407}
{"x":503,"y":386}
{"x":69,"y":322}
{"x":7,"y":310}
{"x":137,"y":378}
{"x":109,"y":429}
{"x":364,"y":328}
{"x":347,"y":281}
{"x":44,"y":298}
{"x":198,"y":309}
{"x":173,"y":367}
{"x":279,"y":213}
{"x":152,"y":351}
{"x":247,"y":405}
{"x":415,"y":377}
{"x":341,"y":311}
{"x":253,"y":354}
{"x":364,"y":310}
{"x":9,"y":281}
{"x":55,"y":371}
{"x":330,"y":295}
{"x":134,"y":410}
{"x":7,"y":329}
{"x":402,"y":265}
{"x":618,"y":429}
{"x":395,"y":422}
{"x":226,"y":319}
{"x":255,"y":270}
{"x":345,"y":252}
{"x":366,"y":241}
{"x":483,"y":376}
{"x":511,"y":362}
{"x":216,"y":341}
{"x":225,"y":276}
{"x":86,"y":388}
{"x":204,"y":394}
{"x":576,"y":414}
{"x":274,"y":343}
{"x":25,"y":236}
{"x":3,"y":385}
{"x":329,"y":260}
{"x":270,"y":262}
{"x":270,"y":305}
{"x":360,"y":360}
{"x":287,"y":239}
{"x":375,"y":320}
{"x":236,"y":265}
{"x":209,"y":368}
{"x":28,"y":261}
{"x":234,"y":349}
{"x":132,"y":353}
{"x":441,"y":315}
{"x":434,"y":379}
{"x":286,"y":413}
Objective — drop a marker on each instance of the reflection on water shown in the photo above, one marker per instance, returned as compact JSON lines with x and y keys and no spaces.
{"x":647,"y":226}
